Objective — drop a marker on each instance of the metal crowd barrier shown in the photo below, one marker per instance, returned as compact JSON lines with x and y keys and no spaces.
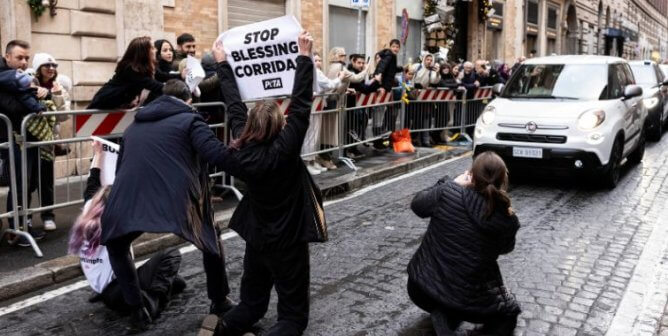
{"x":338,"y":122}
{"x":108,"y":124}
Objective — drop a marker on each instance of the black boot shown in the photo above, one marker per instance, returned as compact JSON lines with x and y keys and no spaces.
{"x":221,"y":307}
{"x":140,"y":321}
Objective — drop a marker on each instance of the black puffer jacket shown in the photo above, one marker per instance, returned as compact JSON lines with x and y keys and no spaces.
{"x":456,"y":262}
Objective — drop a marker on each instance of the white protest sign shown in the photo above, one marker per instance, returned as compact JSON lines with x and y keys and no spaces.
{"x":263,"y":56}
{"x":194,"y":73}
{"x":109,"y":157}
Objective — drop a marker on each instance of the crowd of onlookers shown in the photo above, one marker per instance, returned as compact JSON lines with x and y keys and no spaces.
{"x":33,"y":84}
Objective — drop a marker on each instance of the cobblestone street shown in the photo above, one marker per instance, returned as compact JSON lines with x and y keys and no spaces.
{"x":587,"y":262}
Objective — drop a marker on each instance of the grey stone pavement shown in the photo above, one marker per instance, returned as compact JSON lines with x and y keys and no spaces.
{"x":587,"y":262}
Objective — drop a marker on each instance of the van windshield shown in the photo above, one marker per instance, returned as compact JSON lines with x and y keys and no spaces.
{"x":558,"y":81}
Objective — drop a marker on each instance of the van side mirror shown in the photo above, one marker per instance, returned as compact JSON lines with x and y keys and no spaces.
{"x":497,"y":89}
{"x":665,"y":83}
{"x":631,"y":91}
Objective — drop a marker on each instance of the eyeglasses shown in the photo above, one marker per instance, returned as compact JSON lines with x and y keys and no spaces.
{"x":51,"y":65}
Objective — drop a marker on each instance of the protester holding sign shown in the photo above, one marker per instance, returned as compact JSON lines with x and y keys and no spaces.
{"x":278,"y":214}
{"x":134,"y":73}
{"x":161,"y":185}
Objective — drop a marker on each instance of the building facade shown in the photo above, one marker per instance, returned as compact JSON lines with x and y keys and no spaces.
{"x":88,"y":36}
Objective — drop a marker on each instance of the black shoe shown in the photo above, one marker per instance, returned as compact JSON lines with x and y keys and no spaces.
{"x":357,"y":153}
{"x":35,"y":233}
{"x":178,"y":285}
{"x":221,"y":307}
{"x":140,"y":321}
{"x":95,"y":297}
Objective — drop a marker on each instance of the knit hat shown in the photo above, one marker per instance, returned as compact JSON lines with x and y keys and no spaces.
{"x":42,"y":58}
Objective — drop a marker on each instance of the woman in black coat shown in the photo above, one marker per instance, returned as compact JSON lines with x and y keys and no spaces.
{"x":133,"y":74}
{"x":164,"y":55}
{"x":276,"y":216}
{"x":454,"y":275}
{"x":161,"y":186}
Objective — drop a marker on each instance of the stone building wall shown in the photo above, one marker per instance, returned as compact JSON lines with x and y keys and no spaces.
{"x":197,"y":17}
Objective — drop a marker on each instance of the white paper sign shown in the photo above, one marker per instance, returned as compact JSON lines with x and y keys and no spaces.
{"x":109,"y":157}
{"x":194,"y":73}
{"x":263,"y":56}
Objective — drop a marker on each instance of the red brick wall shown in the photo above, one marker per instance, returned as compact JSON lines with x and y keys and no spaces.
{"x":312,"y":21}
{"x":197,"y":17}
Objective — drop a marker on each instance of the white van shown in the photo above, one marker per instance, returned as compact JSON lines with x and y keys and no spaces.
{"x":569,"y":114}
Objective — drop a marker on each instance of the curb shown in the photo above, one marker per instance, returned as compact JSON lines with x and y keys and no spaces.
{"x":66,"y":268}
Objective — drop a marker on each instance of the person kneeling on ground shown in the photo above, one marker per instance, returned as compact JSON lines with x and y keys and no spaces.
{"x":161,"y":186}
{"x":277,"y":216}
{"x":158,"y":277}
{"x":454,"y":274}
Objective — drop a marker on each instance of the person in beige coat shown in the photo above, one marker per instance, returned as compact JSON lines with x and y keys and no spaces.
{"x":426,"y":73}
{"x":45,"y":67}
{"x":329,"y":136}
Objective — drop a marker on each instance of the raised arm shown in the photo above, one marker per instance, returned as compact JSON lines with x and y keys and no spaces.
{"x":425,"y":201}
{"x":291,"y":138}
{"x":237,"y":111}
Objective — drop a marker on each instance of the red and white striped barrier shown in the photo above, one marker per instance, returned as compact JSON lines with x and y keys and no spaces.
{"x":483,"y":93}
{"x":373,"y":99}
{"x":318,"y":104}
{"x":103,"y":123}
{"x":437,"y":95}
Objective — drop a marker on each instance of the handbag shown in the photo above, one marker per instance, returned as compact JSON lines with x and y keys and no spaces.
{"x":315,"y":230}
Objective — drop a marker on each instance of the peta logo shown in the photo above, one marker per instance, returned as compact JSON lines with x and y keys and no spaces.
{"x":272,"y":83}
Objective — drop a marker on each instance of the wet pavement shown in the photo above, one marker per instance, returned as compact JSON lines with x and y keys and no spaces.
{"x":587,"y":262}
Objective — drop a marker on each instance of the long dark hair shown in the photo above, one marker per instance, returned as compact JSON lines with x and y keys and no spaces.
{"x":490,"y":178}
{"x":138,"y":57}
{"x":158,"y":46}
{"x":265,"y":121}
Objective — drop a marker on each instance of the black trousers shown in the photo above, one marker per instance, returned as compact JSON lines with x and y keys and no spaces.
{"x":128,"y":279}
{"x":155,"y":277}
{"x":501,"y":325}
{"x":286,"y":270}
{"x":46,"y":185}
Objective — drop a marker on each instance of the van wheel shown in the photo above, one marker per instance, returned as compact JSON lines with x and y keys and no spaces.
{"x":613,"y":169}
{"x":636,"y":156}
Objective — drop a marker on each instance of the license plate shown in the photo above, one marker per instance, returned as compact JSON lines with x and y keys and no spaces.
{"x":528,"y":152}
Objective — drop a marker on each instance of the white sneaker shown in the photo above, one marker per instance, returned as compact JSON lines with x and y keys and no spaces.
{"x":49,"y":225}
{"x":316,"y":165}
{"x":312,"y":170}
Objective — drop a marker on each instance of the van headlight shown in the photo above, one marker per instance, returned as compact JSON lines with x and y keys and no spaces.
{"x":488,"y":115}
{"x":590,"y":119}
{"x":650,"y":102}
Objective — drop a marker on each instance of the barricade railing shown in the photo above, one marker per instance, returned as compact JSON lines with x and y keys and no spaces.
{"x":439,"y":109}
{"x":9,"y":150}
{"x":108,"y":124}
{"x":338,"y":122}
